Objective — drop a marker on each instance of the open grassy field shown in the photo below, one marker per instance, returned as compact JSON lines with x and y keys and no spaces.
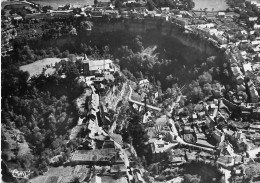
{"x":65,"y":174}
{"x":36,"y":68}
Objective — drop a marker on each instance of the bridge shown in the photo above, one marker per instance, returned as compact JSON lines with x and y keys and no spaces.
{"x":140,"y":103}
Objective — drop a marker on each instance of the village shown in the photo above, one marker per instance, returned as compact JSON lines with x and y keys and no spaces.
{"x":209,"y":134}
{"x":223,"y":130}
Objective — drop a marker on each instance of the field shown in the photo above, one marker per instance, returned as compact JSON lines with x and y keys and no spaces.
{"x":65,"y":174}
{"x":36,"y":68}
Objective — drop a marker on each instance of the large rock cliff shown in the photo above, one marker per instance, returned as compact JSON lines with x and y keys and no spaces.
{"x":193,"y":43}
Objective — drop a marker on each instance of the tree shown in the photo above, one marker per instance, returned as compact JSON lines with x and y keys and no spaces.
{"x":25,"y":160}
{"x":188,"y":178}
{"x":205,"y":78}
{"x":169,"y":78}
{"x":56,"y":51}
{"x":243,"y":94}
{"x":207,"y":89}
{"x":189,"y":4}
{"x":46,"y":8}
{"x":138,"y":134}
{"x":65,"y":54}
{"x":137,"y":44}
{"x":118,"y":4}
{"x":75,"y":179}
{"x":72,"y":57}
{"x":71,"y":71}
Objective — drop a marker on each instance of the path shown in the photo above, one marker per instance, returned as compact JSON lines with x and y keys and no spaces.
{"x":122,"y":153}
{"x":96,"y":104}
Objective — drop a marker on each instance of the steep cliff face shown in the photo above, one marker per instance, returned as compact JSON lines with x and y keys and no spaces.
{"x":190,"y":42}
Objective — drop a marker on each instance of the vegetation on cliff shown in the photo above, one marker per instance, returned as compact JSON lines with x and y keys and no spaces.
{"x":42,"y":111}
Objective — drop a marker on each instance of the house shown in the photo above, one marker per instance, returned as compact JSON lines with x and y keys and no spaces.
{"x":244,"y":32}
{"x":241,"y":141}
{"x":118,"y":168}
{"x":241,"y":87}
{"x":165,"y":9}
{"x":92,"y":67}
{"x":191,"y":156}
{"x":247,"y":67}
{"x":236,"y":71}
{"x":240,"y":79}
{"x":194,"y":116}
{"x":137,"y":177}
{"x":227,"y":150}
{"x":209,"y":25}
{"x":190,"y":138}
{"x":56,"y":160}
{"x":108,"y":144}
{"x":159,"y":148}
{"x":202,"y":114}
{"x":96,"y":179}
{"x":252,"y":19}
{"x":256,"y":42}
{"x":254,"y":96}
{"x":218,"y":136}
{"x":221,"y":14}
{"x":256,"y":112}
{"x":176,"y":161}
{"x":256,"y":26}
{"x":179,"y":21}
{"x":237,"y":172}
{"x":144,"y":83}
{"x":255,"y":127}
{"x":225,"y":161}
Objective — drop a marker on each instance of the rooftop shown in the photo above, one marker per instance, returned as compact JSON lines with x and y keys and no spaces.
{"x":95,"y":65}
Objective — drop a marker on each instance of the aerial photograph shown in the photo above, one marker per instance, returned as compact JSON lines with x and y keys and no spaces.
{"x":130,"y":91}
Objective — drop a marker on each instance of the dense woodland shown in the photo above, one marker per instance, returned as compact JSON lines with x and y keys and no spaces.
{"x":43,"y":111}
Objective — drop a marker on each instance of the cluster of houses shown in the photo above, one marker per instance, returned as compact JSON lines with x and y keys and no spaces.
{"x":209,"y":129}
{"x":206,"y":23}
{"x":184,"y":19}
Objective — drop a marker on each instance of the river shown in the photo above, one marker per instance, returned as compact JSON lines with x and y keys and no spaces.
{"x":56,"y":3}
{"x":215,"y":5}
{"x":218,"y":5}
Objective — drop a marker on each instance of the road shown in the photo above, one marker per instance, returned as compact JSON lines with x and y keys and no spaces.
{"x":140,"y":103}
{"x":123,"y":154}
{"x":178,"y":138}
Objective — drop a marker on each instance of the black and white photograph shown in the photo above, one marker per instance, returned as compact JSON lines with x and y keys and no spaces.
{"x":130,"y":91}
